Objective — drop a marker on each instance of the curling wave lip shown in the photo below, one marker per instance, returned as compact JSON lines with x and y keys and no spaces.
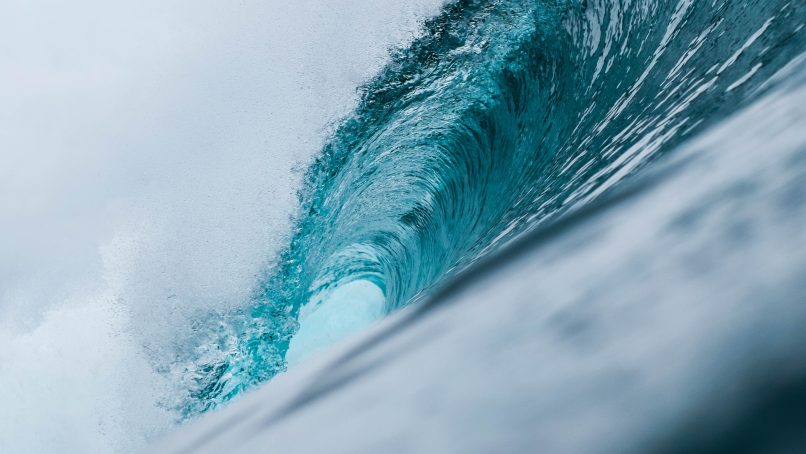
{"x":501,"y":117}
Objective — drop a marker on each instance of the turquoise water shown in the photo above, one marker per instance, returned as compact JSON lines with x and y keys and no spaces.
{"x":500,"y":117}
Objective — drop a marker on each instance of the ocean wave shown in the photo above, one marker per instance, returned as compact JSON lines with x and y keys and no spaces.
{"x":500,"y":117}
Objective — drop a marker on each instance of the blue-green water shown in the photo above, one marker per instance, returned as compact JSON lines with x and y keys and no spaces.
{"x":502,"y":116}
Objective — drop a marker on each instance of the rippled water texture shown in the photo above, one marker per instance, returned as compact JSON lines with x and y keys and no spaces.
{"x":501,"y":117}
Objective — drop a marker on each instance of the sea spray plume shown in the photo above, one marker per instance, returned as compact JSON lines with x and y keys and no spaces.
{"x":385,"y":225}
{"x":502,"y":116}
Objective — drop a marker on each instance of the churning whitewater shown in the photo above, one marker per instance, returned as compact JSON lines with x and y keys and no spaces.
{"x":500,"y":117}
{"x":592,"y":205}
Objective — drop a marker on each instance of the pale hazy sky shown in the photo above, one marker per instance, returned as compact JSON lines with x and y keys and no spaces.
{"x":146,"y":150}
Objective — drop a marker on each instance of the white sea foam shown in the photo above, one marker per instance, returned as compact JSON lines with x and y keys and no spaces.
{"x":147,"y":156}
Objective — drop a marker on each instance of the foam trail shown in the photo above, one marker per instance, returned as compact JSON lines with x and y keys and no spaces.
{"x":147,"y":175}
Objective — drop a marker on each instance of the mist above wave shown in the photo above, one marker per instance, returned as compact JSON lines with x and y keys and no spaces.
{"x":147,"y":174}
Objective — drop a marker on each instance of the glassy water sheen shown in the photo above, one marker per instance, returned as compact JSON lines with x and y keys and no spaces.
{"x":500,"y":117}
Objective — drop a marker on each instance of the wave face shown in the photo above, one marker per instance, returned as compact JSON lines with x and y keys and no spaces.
{"x":501,"y":116}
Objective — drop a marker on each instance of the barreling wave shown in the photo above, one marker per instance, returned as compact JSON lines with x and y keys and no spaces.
{"x":501,"y":116}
